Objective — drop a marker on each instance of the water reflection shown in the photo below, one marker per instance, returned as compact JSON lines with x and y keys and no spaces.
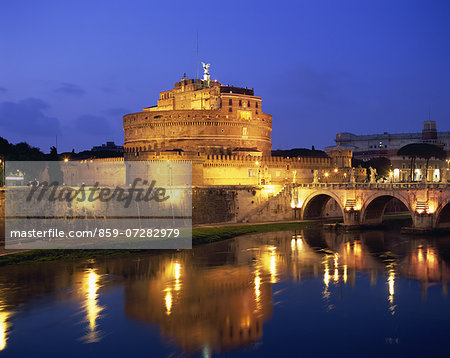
{"x":91,"y":306}
{"x":5,"y":325}
{"x":218,"y":297}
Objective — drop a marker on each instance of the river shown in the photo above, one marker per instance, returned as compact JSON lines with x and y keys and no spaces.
{"x":300,"y":293}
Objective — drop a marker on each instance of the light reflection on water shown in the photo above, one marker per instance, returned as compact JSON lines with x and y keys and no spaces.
{"x":222,"y":297}
{"x":91,"y":306}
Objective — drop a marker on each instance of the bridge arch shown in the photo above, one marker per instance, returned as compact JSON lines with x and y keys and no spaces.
{"x":442,"y":215}
{"x":375,"y":205}
{"x":314,"y":205}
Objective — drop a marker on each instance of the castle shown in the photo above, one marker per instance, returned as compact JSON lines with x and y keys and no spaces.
{"x":200,"y":116}
{"x":226,"y":135}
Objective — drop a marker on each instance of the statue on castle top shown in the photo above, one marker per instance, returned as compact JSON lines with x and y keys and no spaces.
{"x":206,"y":71}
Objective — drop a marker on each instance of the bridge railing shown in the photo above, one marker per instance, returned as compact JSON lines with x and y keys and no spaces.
{"x":371,"y":186}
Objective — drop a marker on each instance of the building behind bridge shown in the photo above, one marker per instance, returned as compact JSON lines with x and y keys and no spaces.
{"x":366,"y":147}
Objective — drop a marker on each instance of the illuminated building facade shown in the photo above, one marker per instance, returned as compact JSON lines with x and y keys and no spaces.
{"x":200,"y":116}
{"x":387,"y":144}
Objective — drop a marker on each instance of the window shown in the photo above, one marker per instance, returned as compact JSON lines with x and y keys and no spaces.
{"x":256,"y":105}
{"x":240,"y":103}
{"x":248,"y":103}
{"x":245,"y":115}
{"x":230,"y":109}
{"x":230,"y":102}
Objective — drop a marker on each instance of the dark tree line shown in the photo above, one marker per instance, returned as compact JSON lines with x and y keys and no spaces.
{"x":24,"y":152}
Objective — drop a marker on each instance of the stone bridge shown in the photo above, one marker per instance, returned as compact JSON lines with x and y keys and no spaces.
{"x":361,"y":203}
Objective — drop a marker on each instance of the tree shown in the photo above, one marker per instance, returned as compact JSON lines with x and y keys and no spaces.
{"x":423,"y":151}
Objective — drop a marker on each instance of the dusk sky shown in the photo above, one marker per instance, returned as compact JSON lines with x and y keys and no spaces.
{"x":74,"y":68}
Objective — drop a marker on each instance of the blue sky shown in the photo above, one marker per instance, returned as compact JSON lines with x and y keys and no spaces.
{"x":73,"y":68}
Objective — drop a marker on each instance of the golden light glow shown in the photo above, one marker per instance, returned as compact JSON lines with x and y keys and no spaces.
{"x":326,"y":275}
{"x":431,"y":208}
{"x":256,"y":163}
{"x":357,"y":249}
{"x":326,"y":280}
{"x":391,"y":285}
{"x":177,"y":271}
{"x":66,"y":160}
{"x":245,"y":322}
{"x":90,"y":287}
{"x":420,"y":255}
{"x":4,"y":328}
{"x":335,"y":170}
{"x":299,"y":244}
{"x":292,"y":204}
{"x":257,"y":288}
{"x":336,"y":267}
{"x":168,"y":301}
{"x":269,"y":189}
{"x":177,"y":274}
{"x":273,"y":267}
{"x":345,"y":274}
{"x":391,"y":281}
{"x":245,"y":115}
{"x":293,"y":244}
{"x":326,"y":174}
{"x":431,"y":257}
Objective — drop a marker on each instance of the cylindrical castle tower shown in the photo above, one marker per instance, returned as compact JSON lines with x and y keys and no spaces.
{"x":200,"y":116}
